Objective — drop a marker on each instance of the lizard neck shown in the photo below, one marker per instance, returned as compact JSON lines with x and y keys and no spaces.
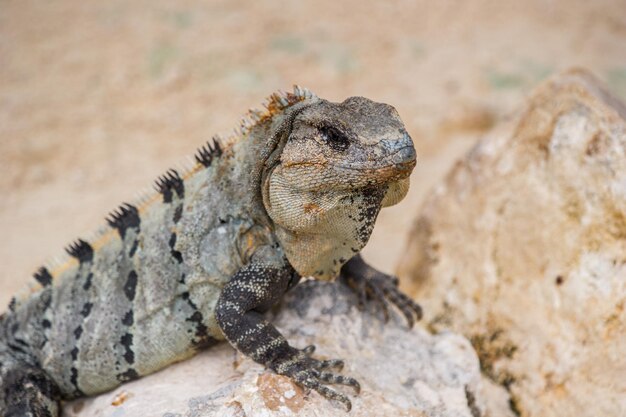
{"x":319,"y":232}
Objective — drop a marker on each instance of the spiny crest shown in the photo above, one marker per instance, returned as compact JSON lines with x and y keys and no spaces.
{"x":169,"y":183}
{"x":53,"y":263}
{"x":274,"y":104}
{"x":140,"y":199}
{"x":43,"y":276}
{"x":280,"y":100}
{"x":80,"y":250}
{"x":208,"y":151}
{"x":127,"y":215}
{"x":124,"y":217}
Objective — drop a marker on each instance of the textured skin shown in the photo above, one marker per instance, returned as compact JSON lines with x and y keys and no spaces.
{"x":295,"y":192}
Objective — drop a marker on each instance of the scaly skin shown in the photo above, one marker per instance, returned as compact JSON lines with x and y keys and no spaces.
{"x":295,"y":192}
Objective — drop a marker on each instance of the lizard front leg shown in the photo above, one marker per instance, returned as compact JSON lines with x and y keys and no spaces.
{"x":255,"y":288}
{"x":369,"y":283}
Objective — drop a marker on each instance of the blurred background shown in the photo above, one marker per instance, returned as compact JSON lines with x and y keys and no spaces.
{"x":99,"y":98}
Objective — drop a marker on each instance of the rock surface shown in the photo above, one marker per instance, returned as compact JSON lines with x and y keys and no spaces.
{"x":402,"y":372}
{"x":523,"y":250}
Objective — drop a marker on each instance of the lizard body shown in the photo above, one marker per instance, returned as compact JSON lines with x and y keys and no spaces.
{"x":295,"y":192}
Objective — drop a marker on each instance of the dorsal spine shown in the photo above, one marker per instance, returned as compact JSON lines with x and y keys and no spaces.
{"x":169,"y":184}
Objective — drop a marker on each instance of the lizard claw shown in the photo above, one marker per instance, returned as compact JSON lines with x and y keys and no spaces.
{"x":370,"y":284}
{"x":409,"y":308}
{"x":313,"y":374}
{"x":308,"y":350}
{"x":331,"y":364}
{"x":366,"y":292}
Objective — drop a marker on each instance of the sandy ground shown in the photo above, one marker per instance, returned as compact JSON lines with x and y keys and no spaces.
{"x":98,"y":98}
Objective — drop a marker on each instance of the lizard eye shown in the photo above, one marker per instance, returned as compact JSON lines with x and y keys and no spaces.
{"x":335,"y":138}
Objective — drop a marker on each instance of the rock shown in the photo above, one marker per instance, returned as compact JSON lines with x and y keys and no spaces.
{"x":402,"y":372}
{"x":523,"y":250}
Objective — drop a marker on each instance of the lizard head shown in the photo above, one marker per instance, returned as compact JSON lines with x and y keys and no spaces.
{"x":346,"y":146}
{"x":337,"y":165}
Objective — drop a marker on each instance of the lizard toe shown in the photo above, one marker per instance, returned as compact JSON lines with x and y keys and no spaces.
{"x":308,"y":350}
{"x":311,"y":380}
{"x":331,"y":364}
{"x":409,"y":308}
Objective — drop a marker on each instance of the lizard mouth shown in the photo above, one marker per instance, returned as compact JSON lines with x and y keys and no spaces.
{"x":388,"y":166}
{"x":394,"y":166}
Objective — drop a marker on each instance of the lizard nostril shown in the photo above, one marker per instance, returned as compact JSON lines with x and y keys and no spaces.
{"x":406,"y":154}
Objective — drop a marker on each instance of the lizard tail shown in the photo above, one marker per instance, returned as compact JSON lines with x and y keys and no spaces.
{"x":25,"y":390}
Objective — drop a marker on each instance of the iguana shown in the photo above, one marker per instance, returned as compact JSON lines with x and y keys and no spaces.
{"x":293,"y":192}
